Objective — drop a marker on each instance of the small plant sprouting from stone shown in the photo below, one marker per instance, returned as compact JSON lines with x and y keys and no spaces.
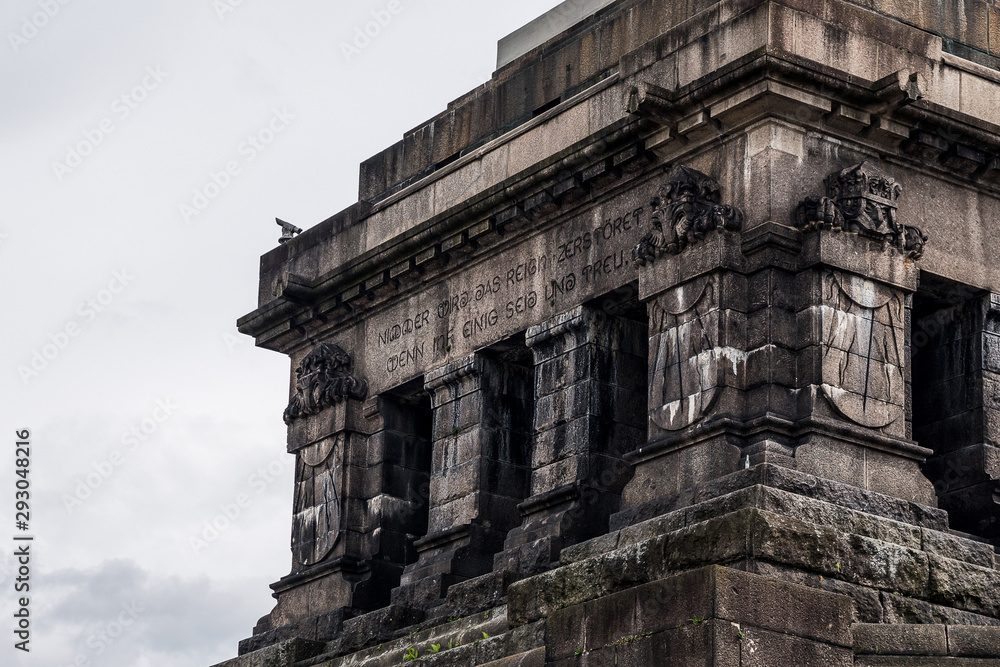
{"x":434,"y":648}
{"x":696,"y":620}
{"x":410,"y":655}
{"x":485,"y":636}
{"x":579,"y":651}
{"x":455,"y":431}
{"x":838,"y":567}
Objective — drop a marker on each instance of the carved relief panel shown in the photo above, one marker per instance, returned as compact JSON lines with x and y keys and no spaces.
{"x":319,"y":473}
{"x":685,"y":359}
{"x":863,"y":346}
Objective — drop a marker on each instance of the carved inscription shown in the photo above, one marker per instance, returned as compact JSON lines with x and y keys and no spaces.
{"x":588,"y":255}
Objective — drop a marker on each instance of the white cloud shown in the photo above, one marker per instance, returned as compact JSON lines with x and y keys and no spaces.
{"x":165,"y":336}
{"x":120,"y":614}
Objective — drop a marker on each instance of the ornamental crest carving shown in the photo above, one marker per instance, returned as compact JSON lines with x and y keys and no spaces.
{"x":318,"y":480}
{"x":688,"y":367}
{"x":685,"y":209}
{"x":863,"y":325}
{"x":323,"y":380}
{"x":862,"y":200}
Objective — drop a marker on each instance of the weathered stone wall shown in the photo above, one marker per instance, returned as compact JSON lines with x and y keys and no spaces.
{"x":568,"y":63}
{"x":674,"y":343}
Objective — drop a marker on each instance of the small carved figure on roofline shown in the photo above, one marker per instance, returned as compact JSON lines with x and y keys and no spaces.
{"x":324,"y":380}
{"x":685,"y":209}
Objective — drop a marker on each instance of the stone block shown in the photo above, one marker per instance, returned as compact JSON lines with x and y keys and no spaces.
{"x":975,"y":93}
{"x":761,"y":648}
{"x":964,"y":586}
{"x":994,"y":30}
{"x":970,"y":641}
{"x":513,"y":643}
{"x":284,"y":654}
{"x":673,"y":471}
{"x":897,"y":639}
{"x":900,"y":477}
{"x":832,"y":460}
{"x":840,"y":518}
{"x":610,"y":618}
{"x":771,"y":364}
{"x":959,"y":548}
{"x":566,"y":632}
{"x":688,"y":644}
{"x":907,"y":661}
{"x":533,"y":658}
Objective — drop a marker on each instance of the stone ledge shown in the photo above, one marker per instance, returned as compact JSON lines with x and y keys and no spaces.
{"x":786,"y":479}
{"x":800,"y":507}
{"x":729,"y":609}
{"x":284,"y":654}
{"x":973,"y":641}
{"x":753,"y":535}
{"x":914,"y":661}
{"x":923,"y":640}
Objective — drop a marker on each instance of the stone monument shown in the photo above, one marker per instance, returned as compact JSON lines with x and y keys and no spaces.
{"x":676,"y":343}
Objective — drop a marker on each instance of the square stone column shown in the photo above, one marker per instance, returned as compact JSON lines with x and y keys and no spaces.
{"x":859,"y":270}
{"x":328,"y":434}
{"x":361,"y":478}
{"x":957,"y":406}
{"x":691,"y":278}
{"x":482,"y":407}
{"x":590,"y":372}
{"x":785,"y":344}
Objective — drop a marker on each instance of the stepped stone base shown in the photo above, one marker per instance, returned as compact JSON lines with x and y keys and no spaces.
{"x":766,"y":566}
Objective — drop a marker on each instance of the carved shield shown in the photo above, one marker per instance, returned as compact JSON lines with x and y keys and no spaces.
{"x":685,"y":360}
{"x":863,"y":341}
{"x":319,"y":480}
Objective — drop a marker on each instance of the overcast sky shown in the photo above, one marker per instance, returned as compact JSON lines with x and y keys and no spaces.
{"x":127,"y":254}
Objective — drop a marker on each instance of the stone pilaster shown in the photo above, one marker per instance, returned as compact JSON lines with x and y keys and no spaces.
{"x":690,"y":279}
{"x":327,"y":430}
{"x":858,"y":270}
{"x":589,"y":383}
{"x":785,"y":344}
{"x":482,"y":415}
